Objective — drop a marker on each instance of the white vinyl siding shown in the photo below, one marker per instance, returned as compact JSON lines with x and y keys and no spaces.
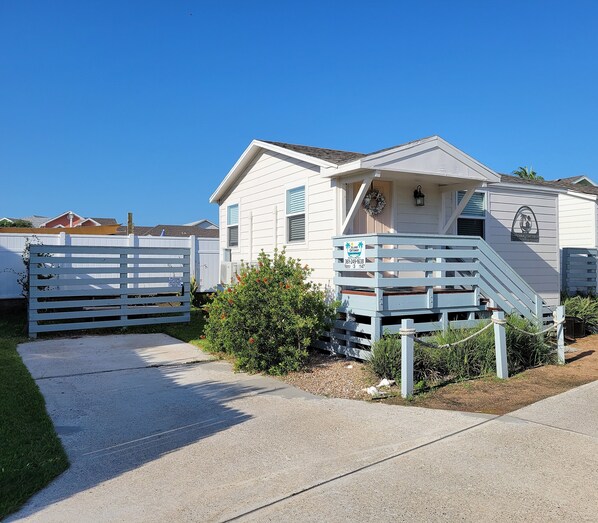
{"x":296,"y":214}
{"x":577,"y":222}
{"x":261,"y":195}
{"x":538,"y":263}
{"x":232,"y":225}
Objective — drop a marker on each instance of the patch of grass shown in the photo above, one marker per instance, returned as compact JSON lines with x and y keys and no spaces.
{"x":31,"y":454}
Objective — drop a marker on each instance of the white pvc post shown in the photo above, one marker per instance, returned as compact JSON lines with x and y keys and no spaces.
{"x":407,"y":334}
{"x":560,"y":333}
{"x":500,"y":344}
{"x":193,"y":258}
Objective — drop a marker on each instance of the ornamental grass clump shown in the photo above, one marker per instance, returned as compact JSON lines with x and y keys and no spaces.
{"x":475,"y":357}
{"x":270,"y":316}
{"x":584,"y":308}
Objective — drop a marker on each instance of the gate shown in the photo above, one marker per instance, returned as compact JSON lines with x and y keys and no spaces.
{"x":76,"y":287}
{"x":578,"y":271}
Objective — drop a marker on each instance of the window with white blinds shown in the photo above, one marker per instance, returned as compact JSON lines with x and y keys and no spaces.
{"x":476,"y":206}
{"x":296,"y":214}
{"x":472,"y":222}
{"x":232,"y":225}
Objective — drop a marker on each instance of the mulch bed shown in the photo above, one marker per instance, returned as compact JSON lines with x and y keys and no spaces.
{"x":339,"y":377}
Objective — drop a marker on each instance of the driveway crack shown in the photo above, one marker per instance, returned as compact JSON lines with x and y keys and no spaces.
{"x":152,"y":366}
{"x":357,"y":470}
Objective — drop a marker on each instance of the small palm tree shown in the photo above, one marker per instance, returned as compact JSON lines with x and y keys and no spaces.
{"x":527,"y":173}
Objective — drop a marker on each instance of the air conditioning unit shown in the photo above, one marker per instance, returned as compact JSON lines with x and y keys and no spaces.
{"x":228,"y":271}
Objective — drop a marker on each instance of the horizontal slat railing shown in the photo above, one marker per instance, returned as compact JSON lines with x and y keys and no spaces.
{"x":87,"y":287}
{"x":397,"y":261}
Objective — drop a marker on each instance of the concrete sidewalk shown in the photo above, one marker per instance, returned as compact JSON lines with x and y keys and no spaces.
{"x":155,"y":431}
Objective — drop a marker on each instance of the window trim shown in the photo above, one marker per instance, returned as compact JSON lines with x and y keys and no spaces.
{"x":228,"y":226}
{"x":287,"y":231}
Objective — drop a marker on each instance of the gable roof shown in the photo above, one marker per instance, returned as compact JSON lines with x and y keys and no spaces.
{"x":578,"y":180}
{"x":330,"y":155}
{"x":104,"y":221}
{"x":181,"y":231}
{"x":561,"y":184}
{"x":199,"y":223}
{"x":335,"y":162}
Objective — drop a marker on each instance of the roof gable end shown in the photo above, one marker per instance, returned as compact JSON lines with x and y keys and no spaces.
{"x":255,"y":147}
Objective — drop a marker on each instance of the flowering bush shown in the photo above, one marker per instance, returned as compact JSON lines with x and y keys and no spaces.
{"x":270,"y":316}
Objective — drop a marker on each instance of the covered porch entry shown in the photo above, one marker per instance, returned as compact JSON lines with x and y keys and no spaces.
{"x":397,"y":255}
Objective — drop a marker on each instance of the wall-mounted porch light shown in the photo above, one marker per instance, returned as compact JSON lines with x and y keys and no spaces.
{"x":419,"y":196}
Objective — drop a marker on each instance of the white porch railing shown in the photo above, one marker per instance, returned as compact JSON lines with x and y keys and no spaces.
{"x":405,"y":275}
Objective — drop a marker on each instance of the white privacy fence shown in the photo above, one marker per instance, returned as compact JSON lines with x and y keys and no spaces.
{"x":204,"y":259}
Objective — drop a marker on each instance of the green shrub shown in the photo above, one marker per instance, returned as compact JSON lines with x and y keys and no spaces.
{"x":585,"y":308}
{"x":473,"y":358}
{"x":269,"y":318}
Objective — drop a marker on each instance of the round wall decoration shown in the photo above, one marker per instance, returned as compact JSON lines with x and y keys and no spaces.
{"x":374,"y":202}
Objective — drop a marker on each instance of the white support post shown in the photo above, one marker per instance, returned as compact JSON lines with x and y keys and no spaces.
{"x":457,"y":212}
{"x":560,"y":333}
{"x":357,"y":201}
{"x":407,"y":343}
{"x":500,"y":344}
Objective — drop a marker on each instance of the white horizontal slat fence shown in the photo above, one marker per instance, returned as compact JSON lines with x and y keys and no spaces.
{"x":67,"y":292}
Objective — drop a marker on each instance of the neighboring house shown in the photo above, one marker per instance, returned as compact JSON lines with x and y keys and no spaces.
{"x":36,"y":221}
{"x":72,"y":219}
{"x":203,"y":224}
{"x":181,"y":231}
{"x":577,"y":180}
{"x":312,"y":201}
{"x":174,"y":231}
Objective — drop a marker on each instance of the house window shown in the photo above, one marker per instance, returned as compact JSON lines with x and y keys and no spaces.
{"x":472,"y":221}
{"x":296,"y":214}
{"x":232,"y":225}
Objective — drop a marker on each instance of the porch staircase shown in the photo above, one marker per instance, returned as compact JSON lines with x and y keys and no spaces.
{"x":439,"y":281}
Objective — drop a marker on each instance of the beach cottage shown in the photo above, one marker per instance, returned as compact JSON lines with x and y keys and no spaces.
{"x":419,"y":230}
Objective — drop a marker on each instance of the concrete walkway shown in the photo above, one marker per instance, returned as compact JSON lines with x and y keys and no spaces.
{"x":156,"y":432}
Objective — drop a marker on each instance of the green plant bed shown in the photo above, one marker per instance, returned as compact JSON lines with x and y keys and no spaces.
{"x":31,"y":454}
{"x":269,"y":318}
{"x":471,"y":359}
{"x":585,"y":308}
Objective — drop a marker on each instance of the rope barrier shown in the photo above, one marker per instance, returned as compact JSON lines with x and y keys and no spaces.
{"x":411,"y":332}
{"x":448,"y":345}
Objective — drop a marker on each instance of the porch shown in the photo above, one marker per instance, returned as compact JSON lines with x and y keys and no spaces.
{"x":439,"y":281}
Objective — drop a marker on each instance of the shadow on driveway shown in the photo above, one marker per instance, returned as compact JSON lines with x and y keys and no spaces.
{"x":126,"y":403}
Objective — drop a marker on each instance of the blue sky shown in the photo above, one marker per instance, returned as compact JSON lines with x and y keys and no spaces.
{"x":110,"y":106}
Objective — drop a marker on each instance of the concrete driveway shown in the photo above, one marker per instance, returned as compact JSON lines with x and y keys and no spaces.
{"x":157,"y":432}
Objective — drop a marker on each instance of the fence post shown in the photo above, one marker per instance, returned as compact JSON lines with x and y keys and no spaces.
{"x":134,"y":242}
{"x":407,"y":342}
{"x":193,"y":258}
{"x":500,"y":344}
{"x":560,"y":333}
